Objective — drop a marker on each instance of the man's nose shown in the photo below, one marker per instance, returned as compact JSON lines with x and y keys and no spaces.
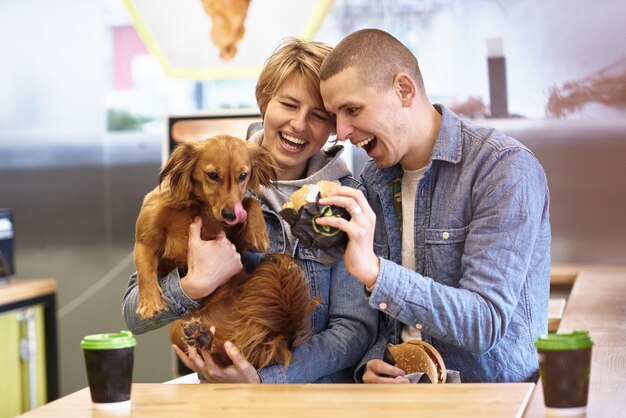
{"x":344,"y":130}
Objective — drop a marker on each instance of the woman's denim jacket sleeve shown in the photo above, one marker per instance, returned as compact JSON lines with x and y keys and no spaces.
{"x":178,"y":304}
{"x":344,"y":328}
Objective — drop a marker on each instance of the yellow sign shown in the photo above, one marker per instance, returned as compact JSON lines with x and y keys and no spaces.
{"x":179,"y":34}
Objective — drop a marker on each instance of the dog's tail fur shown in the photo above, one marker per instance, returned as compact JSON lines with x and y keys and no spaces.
{"x":275,"y":307}
{"x":265,"y":315}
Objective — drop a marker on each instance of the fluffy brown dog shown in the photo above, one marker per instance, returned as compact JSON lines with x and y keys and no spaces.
{"x":268,"y":309}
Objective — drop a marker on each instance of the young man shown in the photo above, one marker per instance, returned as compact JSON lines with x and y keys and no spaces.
{"x":452,"y":241}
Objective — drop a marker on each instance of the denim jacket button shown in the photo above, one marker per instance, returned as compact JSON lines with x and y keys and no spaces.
{"x":418,"y":326}
{"x":445,"y":235}
{"x":382,"y":306}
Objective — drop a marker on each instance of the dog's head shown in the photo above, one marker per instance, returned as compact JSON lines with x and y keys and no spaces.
{"x":218,"y":172}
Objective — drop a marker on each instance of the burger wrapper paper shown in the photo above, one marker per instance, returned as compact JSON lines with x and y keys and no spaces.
{"x":452,"y":376}
{"x":326,"y":244}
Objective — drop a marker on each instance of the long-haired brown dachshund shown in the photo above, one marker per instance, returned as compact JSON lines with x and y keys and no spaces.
{"x":264,"y":313}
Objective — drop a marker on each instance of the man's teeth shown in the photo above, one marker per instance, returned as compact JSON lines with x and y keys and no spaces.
{"x":364,"y":142}
{"x":293,"y":139}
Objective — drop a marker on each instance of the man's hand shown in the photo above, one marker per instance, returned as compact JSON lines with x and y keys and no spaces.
{"x":359,"y":257}
{"x":201,"y":362}
{"x":210,"y":264}
{"x":377,"y":371}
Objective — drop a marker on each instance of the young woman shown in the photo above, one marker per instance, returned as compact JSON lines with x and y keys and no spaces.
{"x":295,"y":128}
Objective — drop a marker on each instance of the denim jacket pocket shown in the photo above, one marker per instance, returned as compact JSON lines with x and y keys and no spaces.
{"x":319,"y":281}
{"x":381,"y":250}
{"x":444,"y":250}
{"x":305,"y":254}
{"x":275,"y":232}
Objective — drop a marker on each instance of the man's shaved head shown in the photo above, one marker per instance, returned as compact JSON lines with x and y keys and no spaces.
{"x":377,"y":57}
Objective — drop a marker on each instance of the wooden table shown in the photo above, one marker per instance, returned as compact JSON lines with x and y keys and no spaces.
{"x":155,"y":400}
{"x":597,"y":303}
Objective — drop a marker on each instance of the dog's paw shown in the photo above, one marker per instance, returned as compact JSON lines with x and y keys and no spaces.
{"x":149,"y":310}
{"x":197,"y":334}
{"x":258,"y":242}
{"x":151,"y":302}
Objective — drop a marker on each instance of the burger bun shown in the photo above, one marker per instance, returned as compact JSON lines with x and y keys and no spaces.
{"x":417,"y":356}
{"x":309,"y":192}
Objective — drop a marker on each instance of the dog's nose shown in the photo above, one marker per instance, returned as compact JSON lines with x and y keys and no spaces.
{"x":228,"y":214}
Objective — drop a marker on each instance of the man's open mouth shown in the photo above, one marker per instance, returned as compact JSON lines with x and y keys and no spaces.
{"x":367,"y":144}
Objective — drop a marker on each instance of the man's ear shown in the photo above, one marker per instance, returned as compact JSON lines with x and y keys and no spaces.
{"x":405,"y":88}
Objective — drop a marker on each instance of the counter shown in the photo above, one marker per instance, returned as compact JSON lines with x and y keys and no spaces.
{"x":18,"y":291}
{"x":28,"y":355}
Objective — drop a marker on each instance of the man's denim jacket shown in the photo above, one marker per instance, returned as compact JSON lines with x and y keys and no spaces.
{"x":344,"y":324}
{"x":482,"y":253}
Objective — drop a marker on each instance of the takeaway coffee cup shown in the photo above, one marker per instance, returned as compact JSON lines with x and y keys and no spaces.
{"x":564,"y":366}
{"x":109,"y":364}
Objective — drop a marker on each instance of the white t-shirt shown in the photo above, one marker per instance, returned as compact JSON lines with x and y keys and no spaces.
{"x":410,"y":179}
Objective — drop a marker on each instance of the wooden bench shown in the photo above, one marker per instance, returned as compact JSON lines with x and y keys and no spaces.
{"x":556,"y":306}
{"x":563,"y":275}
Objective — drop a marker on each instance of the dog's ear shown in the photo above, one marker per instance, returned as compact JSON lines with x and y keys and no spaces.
{"x":263,"y":171}
{"x":178,"y":170}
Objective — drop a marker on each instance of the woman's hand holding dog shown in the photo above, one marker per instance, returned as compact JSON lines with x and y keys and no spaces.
{"x":210,"y":264}
{"x":201,"y":362}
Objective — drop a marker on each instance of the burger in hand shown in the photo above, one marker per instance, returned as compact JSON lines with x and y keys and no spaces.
{"x":327,"y":244}
{"x":417,"y":356}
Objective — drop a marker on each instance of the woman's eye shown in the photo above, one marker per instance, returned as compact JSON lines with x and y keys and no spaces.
{"x":321,"y":116}
{"x":352,"y":110}
{"x":288,"y":105}
{"x":243,"y":176}
{"x":213,"y":175}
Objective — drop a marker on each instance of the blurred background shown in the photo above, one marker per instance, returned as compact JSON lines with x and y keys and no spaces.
{"x":87,"y":89}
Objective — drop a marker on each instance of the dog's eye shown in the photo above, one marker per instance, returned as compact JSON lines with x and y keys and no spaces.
{"x":213,"y":175}
{"x":243,"y":176}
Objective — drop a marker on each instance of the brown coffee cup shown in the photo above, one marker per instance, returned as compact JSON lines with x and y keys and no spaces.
{"x":109,"y":363}
{"x":565,"y":366}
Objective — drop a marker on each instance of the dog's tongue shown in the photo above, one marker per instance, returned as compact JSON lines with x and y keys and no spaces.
{"x":240,"y":213}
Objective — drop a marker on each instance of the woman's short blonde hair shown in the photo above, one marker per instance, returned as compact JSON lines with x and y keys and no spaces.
{"x":292,"y":56}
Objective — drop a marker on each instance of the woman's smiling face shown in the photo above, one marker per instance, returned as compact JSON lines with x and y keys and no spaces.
{"x":295,"y":126}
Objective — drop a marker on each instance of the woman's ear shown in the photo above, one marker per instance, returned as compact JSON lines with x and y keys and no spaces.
{"x":405,"y":88}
